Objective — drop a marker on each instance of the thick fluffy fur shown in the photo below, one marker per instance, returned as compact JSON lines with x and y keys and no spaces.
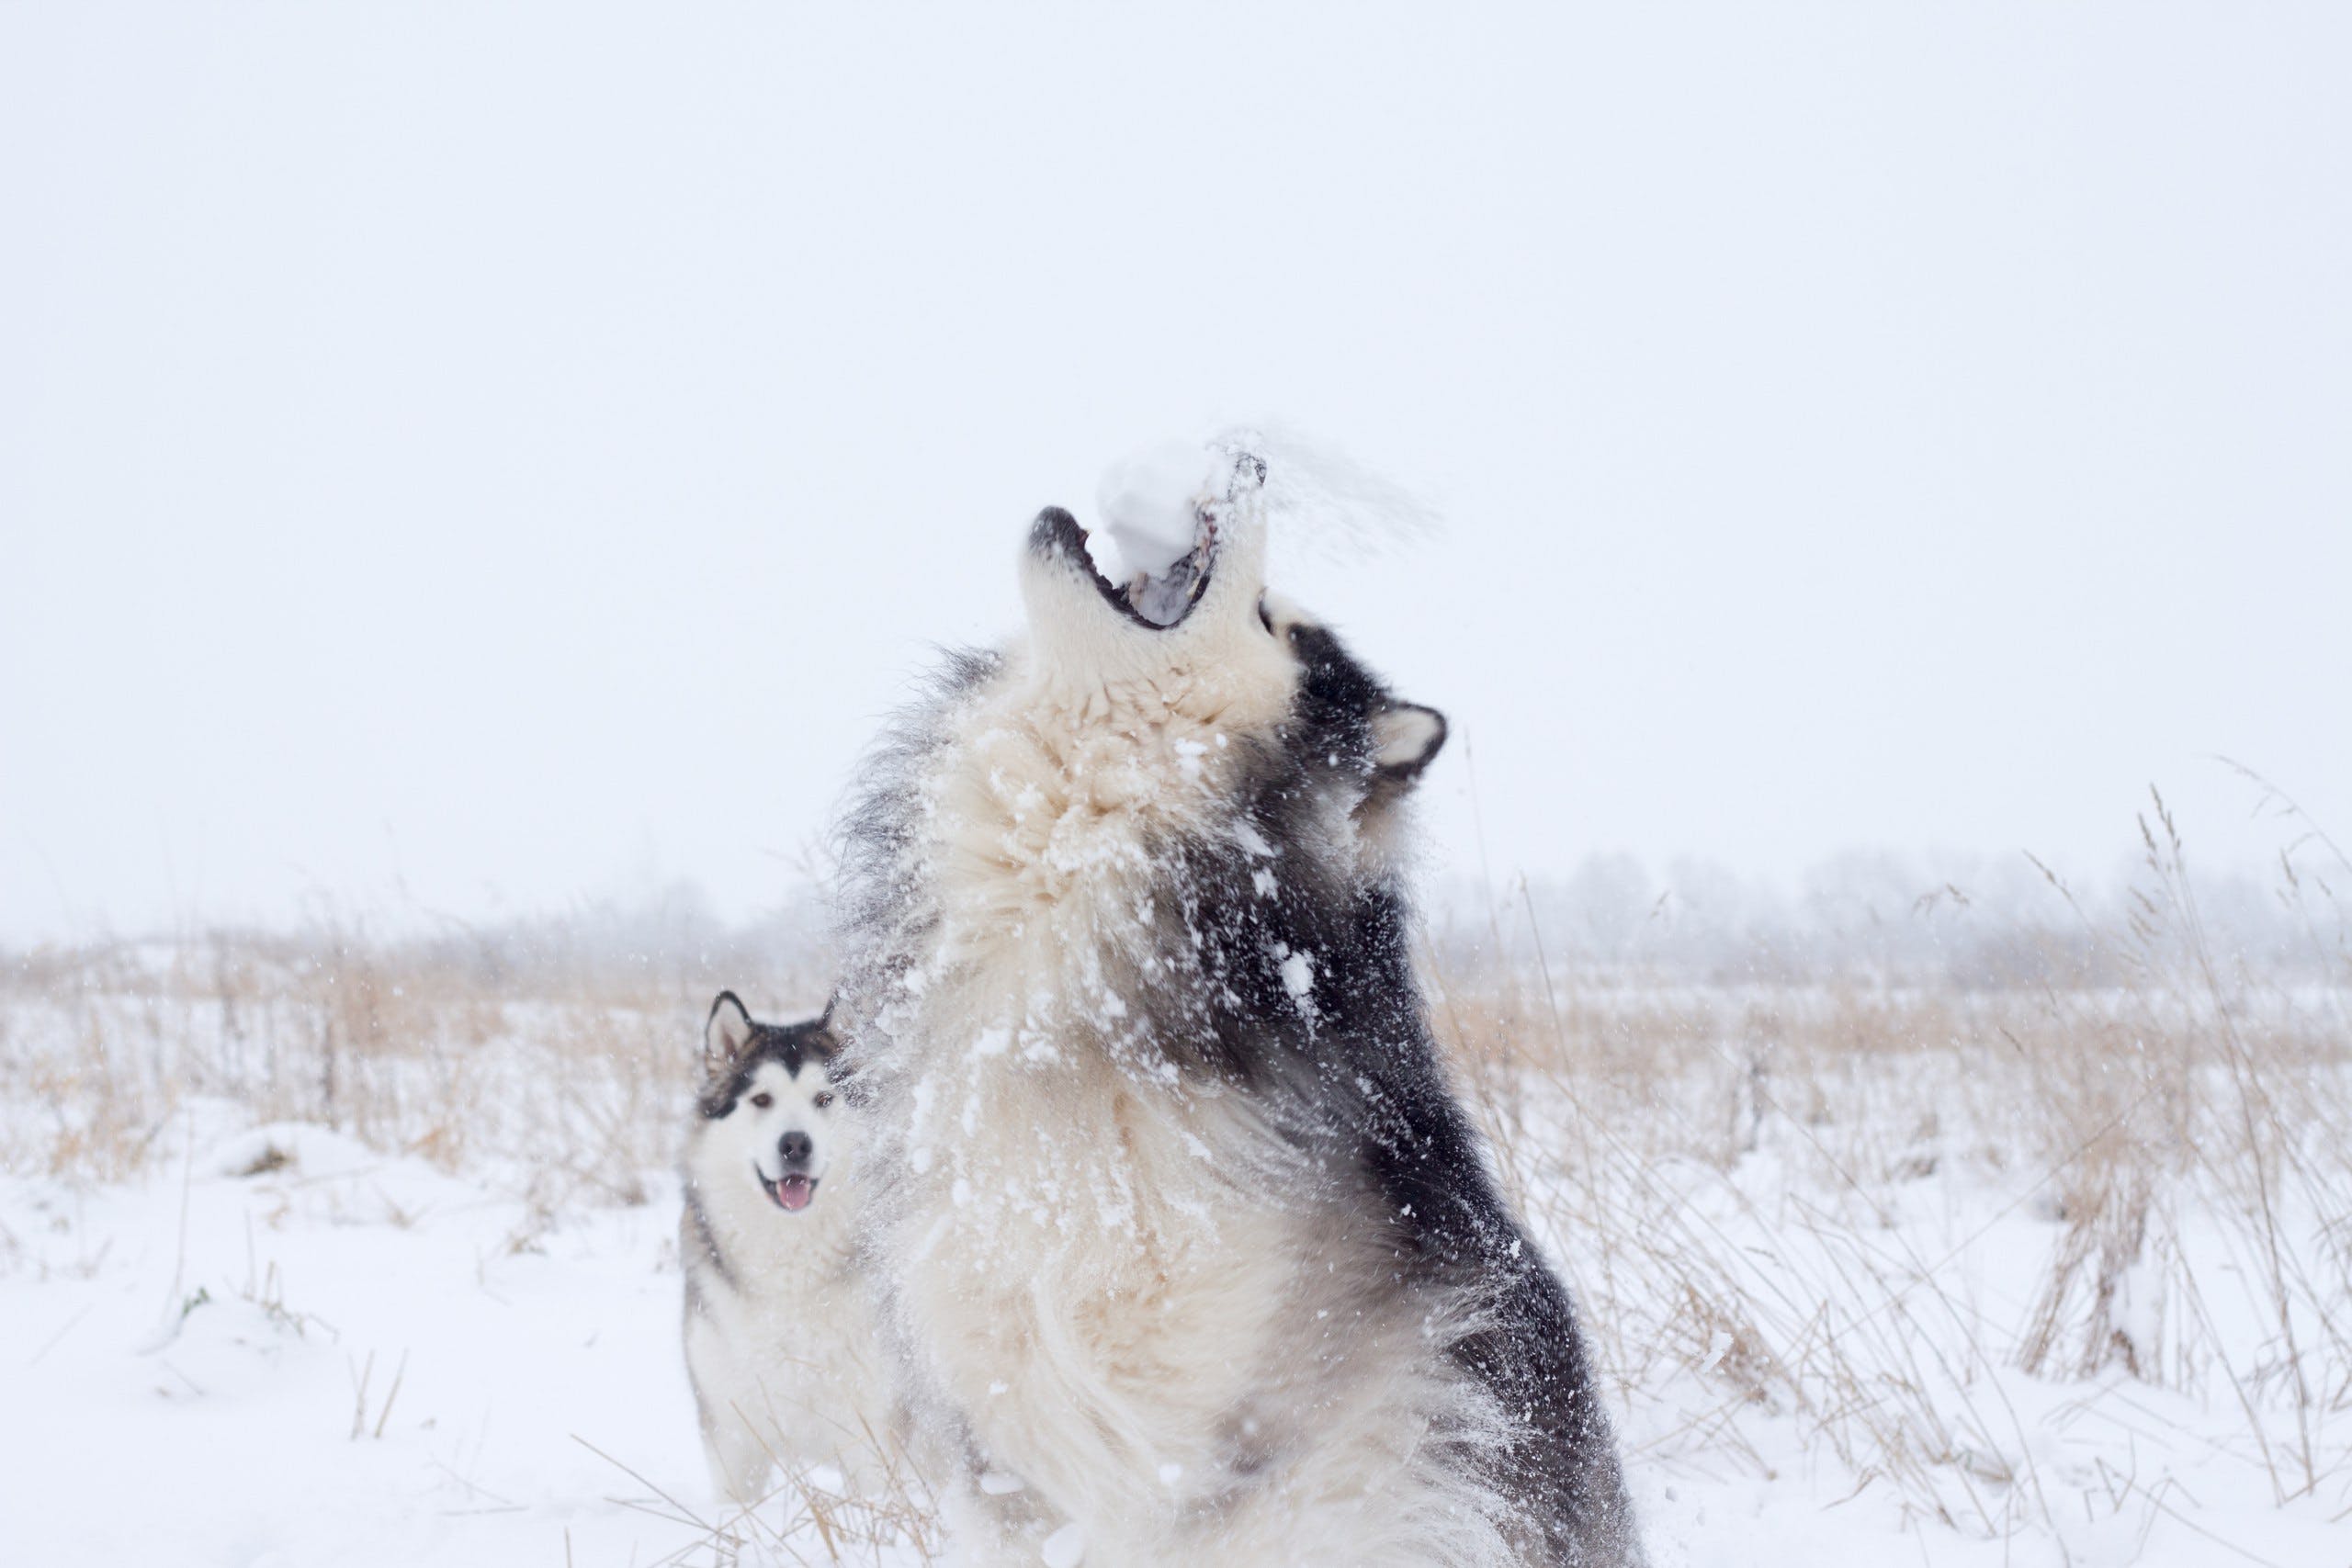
{"x":779,"y":1337}
{"x":1191,"y":1254}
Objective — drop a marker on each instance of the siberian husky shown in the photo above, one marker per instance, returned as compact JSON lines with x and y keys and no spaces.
{"x":1191,"y":1255}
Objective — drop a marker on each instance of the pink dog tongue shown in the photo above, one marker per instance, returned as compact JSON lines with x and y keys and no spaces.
{"x":793,"y":1192}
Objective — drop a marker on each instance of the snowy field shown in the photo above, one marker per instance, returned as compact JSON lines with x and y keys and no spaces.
{"x":337,"y":1251}
{"x":453,"y":456}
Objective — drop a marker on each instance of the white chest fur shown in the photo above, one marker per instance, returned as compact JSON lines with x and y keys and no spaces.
{"x":779,"y":1333}
{"x":1091,"y":1256}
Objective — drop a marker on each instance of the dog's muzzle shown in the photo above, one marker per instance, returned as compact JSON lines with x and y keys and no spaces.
{"x":791,"y":1192}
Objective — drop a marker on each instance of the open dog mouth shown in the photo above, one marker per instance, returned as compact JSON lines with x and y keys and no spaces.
{"x":791,"y":1194}
{"x":1156,"y":601}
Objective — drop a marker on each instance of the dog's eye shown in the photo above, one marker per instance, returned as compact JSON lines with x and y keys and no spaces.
{"x":824,"y":1099}
{"x":762,"y":1099}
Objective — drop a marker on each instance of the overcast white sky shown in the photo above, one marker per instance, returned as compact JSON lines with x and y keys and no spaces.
{"x":520,"y":449}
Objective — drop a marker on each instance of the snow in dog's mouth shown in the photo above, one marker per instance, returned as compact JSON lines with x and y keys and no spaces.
{"x":1156,"y":601}
{"x":791,"y":1194}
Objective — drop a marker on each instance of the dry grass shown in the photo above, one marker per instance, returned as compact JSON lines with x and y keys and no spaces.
{"x":1741,"y":1176}
{"x":573,"y":1065}
{"x":805,"y":1520}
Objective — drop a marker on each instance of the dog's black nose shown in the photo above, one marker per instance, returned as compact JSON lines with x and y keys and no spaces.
{"x":796,"y":1148}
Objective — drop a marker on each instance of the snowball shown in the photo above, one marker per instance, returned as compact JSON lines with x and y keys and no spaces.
{"x":1149,"y":505}
{"x":1298,"y":975}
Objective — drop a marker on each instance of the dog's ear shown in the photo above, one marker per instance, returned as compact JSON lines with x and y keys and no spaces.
{"x":724,"y":1035}
{"x":824,"y":1044}
{"x":1406,"y":737}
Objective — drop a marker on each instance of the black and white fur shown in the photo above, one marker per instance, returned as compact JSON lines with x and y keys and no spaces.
{"x":1191,"y":1252}
{"x":779,"y":1337}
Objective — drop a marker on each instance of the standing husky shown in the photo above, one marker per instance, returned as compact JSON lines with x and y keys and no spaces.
{"x":1191,"y":1252}
{"x":779,"y":1339}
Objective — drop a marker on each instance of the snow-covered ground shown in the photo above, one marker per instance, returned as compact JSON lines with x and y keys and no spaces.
{"x":347,"y":1358}
{"x":239,"y":1340}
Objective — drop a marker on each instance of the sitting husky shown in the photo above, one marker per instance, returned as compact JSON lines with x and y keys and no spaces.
{"x":779,"y":1339}
{"x":1190,"y":1252}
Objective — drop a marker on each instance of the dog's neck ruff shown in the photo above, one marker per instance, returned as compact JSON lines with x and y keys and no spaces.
{"x":1046,"y":809}
{"x":1024,"y":1018}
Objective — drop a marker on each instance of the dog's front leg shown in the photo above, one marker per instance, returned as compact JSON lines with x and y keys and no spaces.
{"x":738,"y":1459}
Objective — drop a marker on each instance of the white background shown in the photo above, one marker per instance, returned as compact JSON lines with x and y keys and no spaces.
{"x":493,"y":453}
